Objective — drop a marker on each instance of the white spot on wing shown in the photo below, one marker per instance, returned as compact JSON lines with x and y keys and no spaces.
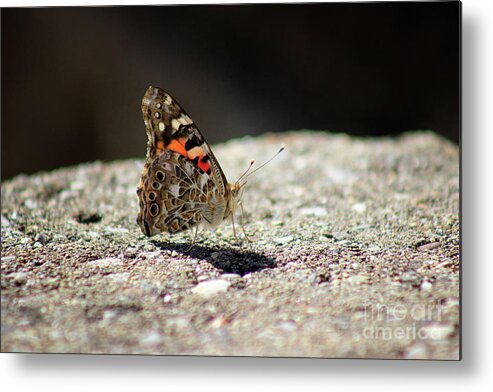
{"x":203,"y":181}
{"x":185,"y":119}
{"x":195,"y":152}
{"x":174,"y":190}
{"x":167,"y":166}
{"x":175,"y":123}
{"x":161,"y":126}
{"x":189,"y":170}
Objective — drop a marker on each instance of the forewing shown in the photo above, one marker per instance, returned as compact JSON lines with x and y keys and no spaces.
{"x":182,"y":184}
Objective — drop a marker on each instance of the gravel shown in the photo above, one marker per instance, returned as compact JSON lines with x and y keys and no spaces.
{"x":354,"y":253}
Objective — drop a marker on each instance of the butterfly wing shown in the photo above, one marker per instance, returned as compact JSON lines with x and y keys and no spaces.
{"x":182,"y":184}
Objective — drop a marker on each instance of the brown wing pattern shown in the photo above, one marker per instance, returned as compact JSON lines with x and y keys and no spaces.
{"x":182,"y":184}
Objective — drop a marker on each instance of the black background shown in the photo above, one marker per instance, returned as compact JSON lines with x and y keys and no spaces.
{"x":73,"y":78}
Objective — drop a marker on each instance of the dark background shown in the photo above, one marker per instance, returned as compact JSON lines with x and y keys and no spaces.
{"x":73,"y":78}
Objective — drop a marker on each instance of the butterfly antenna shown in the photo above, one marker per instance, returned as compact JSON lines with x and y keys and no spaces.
{"x":245,"y":175}
{"x":246,"y":171}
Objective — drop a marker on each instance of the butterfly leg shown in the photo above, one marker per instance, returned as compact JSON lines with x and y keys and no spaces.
{"x":194,"y":238}
{"x":242,"y":223}
{"x":234,"y":229}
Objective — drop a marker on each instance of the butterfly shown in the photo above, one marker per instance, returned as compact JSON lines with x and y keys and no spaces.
{"x":182,"y":184}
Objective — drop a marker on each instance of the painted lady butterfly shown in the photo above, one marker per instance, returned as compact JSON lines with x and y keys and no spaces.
{"x":182,"y":184}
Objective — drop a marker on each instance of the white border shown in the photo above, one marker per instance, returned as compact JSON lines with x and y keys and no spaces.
{"x":126,"y":373}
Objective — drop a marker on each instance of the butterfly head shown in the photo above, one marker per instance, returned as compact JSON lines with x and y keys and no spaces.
{"x":236,"y":190}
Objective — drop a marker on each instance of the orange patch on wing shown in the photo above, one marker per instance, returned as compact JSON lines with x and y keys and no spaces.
{"x":199,"y":153}
{"x":178,"y":145}
{"x":204,"y":166}
{"x":159,"y":147}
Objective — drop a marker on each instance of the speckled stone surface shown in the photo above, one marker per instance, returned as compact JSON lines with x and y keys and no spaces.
{"x":355,"y":253}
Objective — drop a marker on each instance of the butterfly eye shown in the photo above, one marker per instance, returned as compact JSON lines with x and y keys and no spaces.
{"x":156,"y":185}
{"x":154,"y":210}
{"x":159,"y":175}
{"x":151,"y":196}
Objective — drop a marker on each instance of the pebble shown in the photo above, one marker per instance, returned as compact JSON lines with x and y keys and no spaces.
{"x":359,"y":207}
{"x":68,"y":194}
{"x":417,"y":351}
{"x":215,"y":255}
{"x":284,"y":240}
{"x":117,"y":230}
{"x":402,"y":196}
{"x":55,"y":335}
{"x":151,"y":339}
{"x":131,"y":253}
{"x":148,"y":286}
{"x":425,"y":285}
{"x":78,"y":185}
{"x":358,"y":279}
{"x":8,"y":259}
{"x":19,"y":278}
{"x":409,"y":277}
{"x":149,"y":255}
{"x":211,"y":288}
{"x":288,"y":326}
{"x":191,"y":262}
{"x":167,"y":298}
{"x":5,"y":222}
{"x":119,"y":278}
{"x":230,"y":276}
{"x":107,"y":262}
{"x":174,"y":253}
{"x":179,"y":324}
{"x":430,"y":246}
{"x":31,"y":204}
{"x":444,"y":264}
{"x":93,"y":234}
{"x":59,"y":238}
{"x":109,"y":314}
{"x":314,"y":211}
{"x":42,"y":238}
{"x":326,"y":233}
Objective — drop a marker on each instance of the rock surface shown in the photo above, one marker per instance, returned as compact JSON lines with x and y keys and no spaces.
{"x":355,"y":253}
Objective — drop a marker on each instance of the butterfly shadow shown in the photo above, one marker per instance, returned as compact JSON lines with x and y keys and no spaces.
{"x":230,"y":260}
